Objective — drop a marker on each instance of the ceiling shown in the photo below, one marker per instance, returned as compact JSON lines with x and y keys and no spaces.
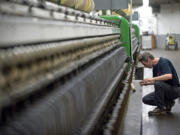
{"x":137,"y":3}
{"x":159,"y":2}
{"x":155,"y":4}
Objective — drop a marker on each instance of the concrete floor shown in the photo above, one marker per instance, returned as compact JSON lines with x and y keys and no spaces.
{"x":161,"y":125}
{"x":132,"y":118}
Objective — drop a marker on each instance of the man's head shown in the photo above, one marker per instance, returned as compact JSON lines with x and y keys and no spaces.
{"x":146,"y":59}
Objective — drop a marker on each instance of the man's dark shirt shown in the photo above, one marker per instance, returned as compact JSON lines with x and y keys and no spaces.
{"x":164,"y":66}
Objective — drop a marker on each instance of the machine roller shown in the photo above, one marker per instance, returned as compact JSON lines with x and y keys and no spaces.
{"x":62,"y":70}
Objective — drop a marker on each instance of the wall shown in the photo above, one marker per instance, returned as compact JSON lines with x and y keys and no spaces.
{"x":168,"y":21}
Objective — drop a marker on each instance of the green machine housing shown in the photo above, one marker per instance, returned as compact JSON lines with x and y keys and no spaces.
{"x":137,"y":32}
{"x":125,"y":31}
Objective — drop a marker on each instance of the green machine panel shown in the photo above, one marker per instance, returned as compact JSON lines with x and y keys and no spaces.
{"x":125,"y":32}
{"x":137,"y":32}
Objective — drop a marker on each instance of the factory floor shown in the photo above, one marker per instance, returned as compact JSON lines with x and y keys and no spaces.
{"x":137,"y":121}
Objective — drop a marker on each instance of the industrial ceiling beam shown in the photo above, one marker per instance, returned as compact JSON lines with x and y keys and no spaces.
{"x":160,"y":2}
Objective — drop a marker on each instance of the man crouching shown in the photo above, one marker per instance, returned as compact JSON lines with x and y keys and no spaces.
{"x":165,"y":81}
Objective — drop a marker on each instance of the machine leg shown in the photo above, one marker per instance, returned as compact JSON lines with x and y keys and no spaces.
{"x":176,"y":46}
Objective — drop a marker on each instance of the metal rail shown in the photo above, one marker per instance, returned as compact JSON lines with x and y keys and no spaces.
{"x":28,"y":23}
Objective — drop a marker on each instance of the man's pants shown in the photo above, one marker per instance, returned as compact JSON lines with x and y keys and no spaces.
{"x":163,"y":95}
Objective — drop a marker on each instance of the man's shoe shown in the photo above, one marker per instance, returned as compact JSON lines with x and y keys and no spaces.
{"x":169,"y":107}
{"x":157,"y":111}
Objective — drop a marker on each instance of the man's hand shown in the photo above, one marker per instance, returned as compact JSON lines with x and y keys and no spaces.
{"x":147,"y":81}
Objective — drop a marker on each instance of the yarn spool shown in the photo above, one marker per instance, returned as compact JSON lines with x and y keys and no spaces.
{"x":68,"y":3}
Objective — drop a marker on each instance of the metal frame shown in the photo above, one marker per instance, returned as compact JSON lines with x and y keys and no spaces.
{"x":27,"y":24}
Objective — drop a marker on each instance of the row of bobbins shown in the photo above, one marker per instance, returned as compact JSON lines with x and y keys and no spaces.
{"x":84,"y":5}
